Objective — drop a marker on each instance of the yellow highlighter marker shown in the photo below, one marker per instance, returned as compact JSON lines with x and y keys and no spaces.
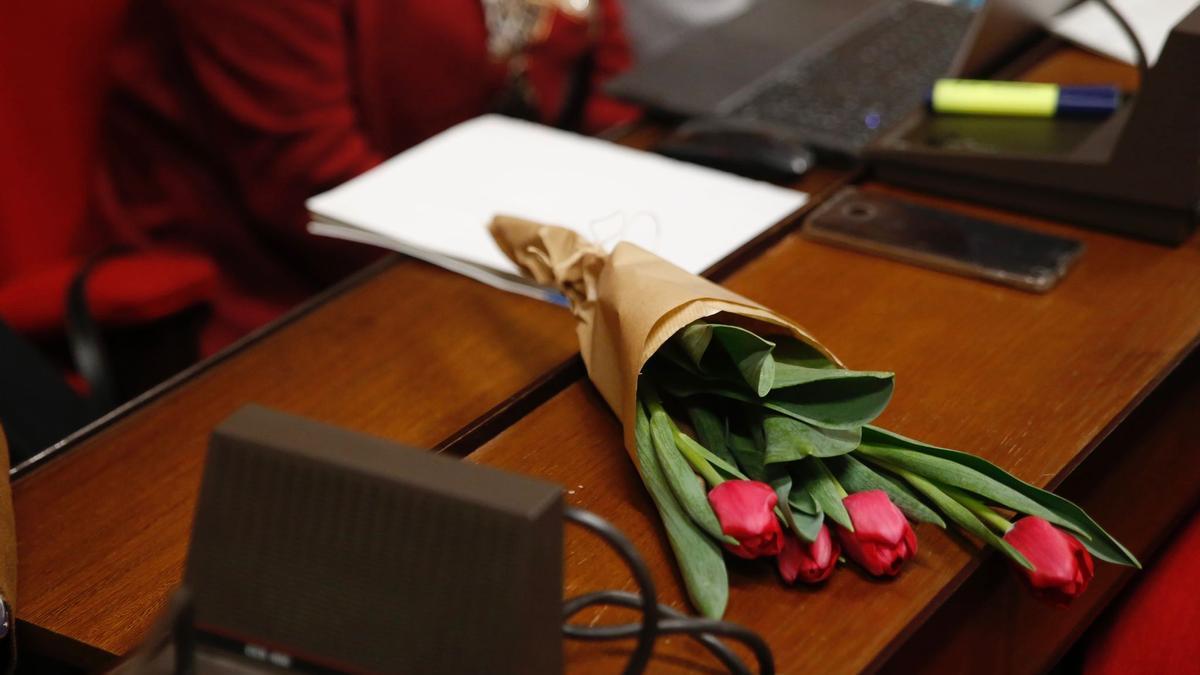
{"x":1021,"y":99}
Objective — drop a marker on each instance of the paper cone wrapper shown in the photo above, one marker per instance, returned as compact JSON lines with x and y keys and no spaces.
{"x":627,"y":303}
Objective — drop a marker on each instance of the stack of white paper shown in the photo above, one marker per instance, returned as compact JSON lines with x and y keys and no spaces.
{"x":1152,"y":20}
{"x":434,"y":201}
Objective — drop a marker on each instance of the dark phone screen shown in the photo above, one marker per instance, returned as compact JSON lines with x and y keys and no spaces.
{"x":943,"y":239}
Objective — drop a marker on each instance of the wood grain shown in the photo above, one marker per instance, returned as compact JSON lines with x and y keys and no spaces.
{"x":1031,"y":382}
{"x":415,"y":354}
{"x":412,"y":355}
{"x":1142,"y":480}
{"x":430,"y":359}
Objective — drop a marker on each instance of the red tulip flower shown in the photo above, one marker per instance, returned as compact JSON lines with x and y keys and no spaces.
{"x":1062,"y":567}
{"x":746,"y":510}
{"x":808,"y":562}
{"x":882,"y":538}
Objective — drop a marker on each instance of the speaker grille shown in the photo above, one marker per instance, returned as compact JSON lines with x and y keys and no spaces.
{"x":320,"y":543}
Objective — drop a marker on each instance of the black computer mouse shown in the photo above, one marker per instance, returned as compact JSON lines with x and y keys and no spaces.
{"x":742,"y":150}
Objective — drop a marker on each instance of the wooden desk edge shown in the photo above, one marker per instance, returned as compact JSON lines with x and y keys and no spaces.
{"x":818,"y":183}
{"x":66,"y":445}
{"x":985,"y":553}
{"x":485,"y":426}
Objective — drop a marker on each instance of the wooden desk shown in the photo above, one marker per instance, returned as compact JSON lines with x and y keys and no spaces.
{"x":411,"y":353}
{"x":430,"y":359}
{"x":1031,"y":382}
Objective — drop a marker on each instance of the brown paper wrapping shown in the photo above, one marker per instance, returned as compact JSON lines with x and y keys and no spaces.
{"x":627,"y":304}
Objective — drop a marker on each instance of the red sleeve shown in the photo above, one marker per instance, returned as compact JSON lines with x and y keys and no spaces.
{"x":613,"y":56}
{"x":553,"y":61}
{"x":276,"y":74}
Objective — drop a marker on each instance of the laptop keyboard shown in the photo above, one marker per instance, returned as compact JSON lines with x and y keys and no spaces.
{"x":871,"y":78}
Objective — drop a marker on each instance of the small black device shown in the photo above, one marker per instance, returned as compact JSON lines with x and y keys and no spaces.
{"x":833,"y":74}
{"x":943,"y":240}
{"x":319,"y":550}
{"x":827,"y":73}
{"x":880,"y":70}
{"x":1135,"y":172}
{"x":738,"y":149}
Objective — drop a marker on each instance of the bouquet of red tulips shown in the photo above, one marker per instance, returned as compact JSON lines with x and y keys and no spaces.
{"x":754,"y":439}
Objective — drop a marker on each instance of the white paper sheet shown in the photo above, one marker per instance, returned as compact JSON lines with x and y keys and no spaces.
{"x":435,"y":200}
{"x":1091,"y":27}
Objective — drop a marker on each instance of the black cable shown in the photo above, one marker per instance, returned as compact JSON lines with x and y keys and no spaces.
{"x":649,"y":605}
{"x":703,"y":630}
{"x":1143,"y":64}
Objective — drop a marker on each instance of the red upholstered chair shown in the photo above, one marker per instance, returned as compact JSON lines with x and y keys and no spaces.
{"x":1155,"y":626}
{"x":52,"y":65}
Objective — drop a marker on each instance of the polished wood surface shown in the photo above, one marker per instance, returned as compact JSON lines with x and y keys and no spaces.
{"x":414,"y":354}
{"x":1139,"y":481}
{"x":1031,"y":382}
{"x":430,"y":359}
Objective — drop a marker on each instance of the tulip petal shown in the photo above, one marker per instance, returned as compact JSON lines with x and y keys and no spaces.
{"x":746,"y":511}
{"x":1048,"y":504}
{"x":882,"y":539}
{"x":810,"y":563}
{"x":876,"y":519}
{"x":1062,"y":567}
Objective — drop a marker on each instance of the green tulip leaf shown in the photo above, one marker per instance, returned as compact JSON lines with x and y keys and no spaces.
{"x":800,"y":524}
{"x":792,"y":376}
{"x":694,"y":339}
{"x":815,"y":479}
{"x":788,"y":439}
{"x":685,"y":484}
{"x":979,"y":476}
{"x":794,"y":352}
{"x":750,"y":353}
{"x":676,"y":355}
{"x":964,"y":518}
{"x":800,"y":511}
{"x":797,"y":363}
{"x":749,"y":456}
{"x":833,"y":404}
{"x":858,"y":477}
{"x":806,"y":525}
{"x":690,"y":444}
{"x":711,"y":431}
{"x":802,"y":501}
{"x":700,"y":560}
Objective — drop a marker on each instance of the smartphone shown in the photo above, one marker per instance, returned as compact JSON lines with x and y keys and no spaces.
{"x":942,"y":240}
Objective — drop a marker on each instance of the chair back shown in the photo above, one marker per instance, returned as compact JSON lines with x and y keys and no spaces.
{"x":53,"y":56}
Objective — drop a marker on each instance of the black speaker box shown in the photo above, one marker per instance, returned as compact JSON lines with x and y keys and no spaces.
{"x":319,"y":549}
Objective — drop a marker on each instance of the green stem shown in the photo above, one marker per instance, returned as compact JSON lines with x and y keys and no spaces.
{"x":904,"y":473}
{"x":654,"y":406}
{"x":829,"y":474}
{"x":915,"y":480}
{"x":694,"y":458}
{"x":982,"y":511}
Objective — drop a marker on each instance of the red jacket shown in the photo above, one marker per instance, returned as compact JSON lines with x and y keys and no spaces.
{"x":226,"y":114}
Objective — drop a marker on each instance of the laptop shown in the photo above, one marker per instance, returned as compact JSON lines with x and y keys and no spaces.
{"x":832,"y":74}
